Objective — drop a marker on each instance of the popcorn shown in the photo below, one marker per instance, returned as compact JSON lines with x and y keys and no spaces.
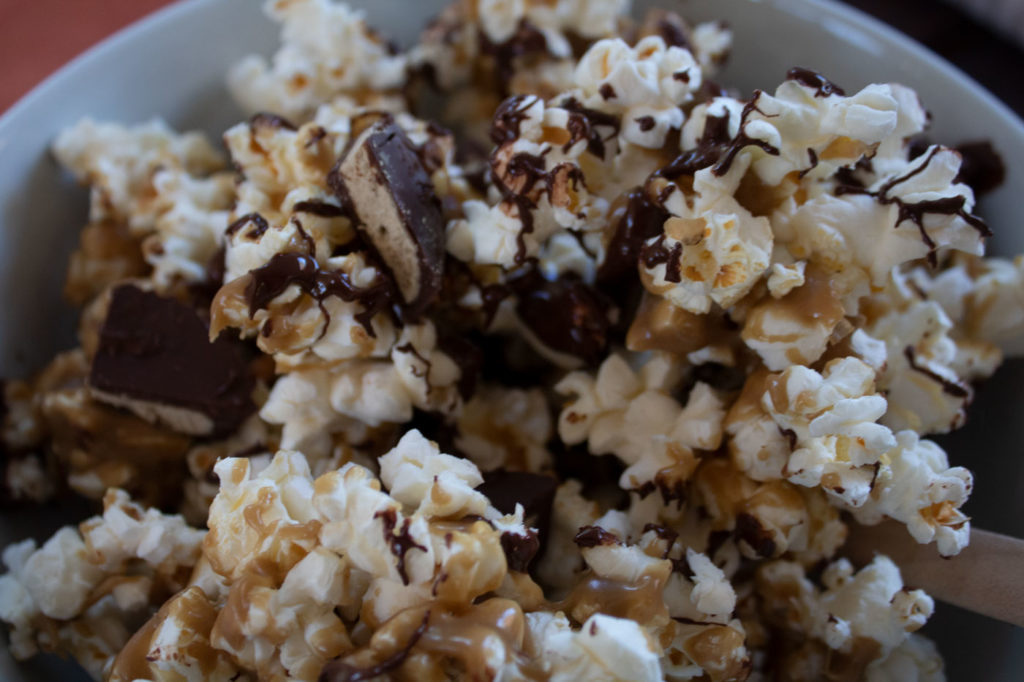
{"x":712,"y":250}
{"x":620,"y":412}
{"x":832,"y":415}
{"x":121,"y":165}
{"x":505,"y":428}
{"x":94,"y":580}
{"x":906,"y":214}
{"x":919,"y":488}
{"x":603,"y":648}
{"x":863,"y":617}
{"x":162,"y":187}
{"x":750,"y":310}
{"x":327,"y":50}
{"x":644,"y":84}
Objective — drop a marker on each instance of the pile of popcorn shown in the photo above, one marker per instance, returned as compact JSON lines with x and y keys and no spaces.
{"x":582,"y":375}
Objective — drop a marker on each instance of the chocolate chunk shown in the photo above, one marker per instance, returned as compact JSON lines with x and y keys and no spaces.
{"x":155,"y":359}
{"x":468,"y":357}
{"x":383,"y":180}
{"x":640,"y":221}
{"x":594,"y":536}
{"x":566,"y":315}
{"x":982,"y":167}
{"x":536,"y":492}
{"x":339,"y":671}
{"x":607,"y":92}
{"x":750,"y":531}
{"x":519,"y":549}
{"x":822,"y":86}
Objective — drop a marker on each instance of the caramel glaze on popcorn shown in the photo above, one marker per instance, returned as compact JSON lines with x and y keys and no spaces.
{"x":647,"y":319}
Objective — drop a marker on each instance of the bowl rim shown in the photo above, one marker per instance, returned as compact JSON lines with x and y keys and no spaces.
{"x":833,"y":9}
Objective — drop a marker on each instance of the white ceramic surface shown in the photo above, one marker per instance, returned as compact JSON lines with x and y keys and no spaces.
{"x":173,"y":63}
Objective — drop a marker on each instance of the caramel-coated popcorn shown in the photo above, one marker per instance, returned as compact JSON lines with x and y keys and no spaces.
{"x":582,"y":370}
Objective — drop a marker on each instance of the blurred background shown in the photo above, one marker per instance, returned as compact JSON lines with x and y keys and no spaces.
{"x":983,"y":37}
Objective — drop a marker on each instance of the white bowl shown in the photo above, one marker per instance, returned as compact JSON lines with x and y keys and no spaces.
{"x":172,"y":65}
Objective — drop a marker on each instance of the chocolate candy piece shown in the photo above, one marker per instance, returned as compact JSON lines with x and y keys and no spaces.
{"x":566,"y":315}
{"x":382,"y":179}
{"x":536,"y":493}
{"x":156,"y":360}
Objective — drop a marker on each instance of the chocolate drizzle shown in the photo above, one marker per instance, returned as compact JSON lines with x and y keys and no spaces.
{"x":319,"y":208}
{"x":584,"y":124}
{"x":713,"y":142}
{"x":566,"y":315}
{"x":657,"y":253}
{"x":953,"y":388}
{"x":259,"y":221}
{"x":607,"y":92}
{"x":594,"y":536}
{"x":743,"y":140}
{"x":915,"y":212}
{"x":273,"y":121}
{"x":750,"y":531}
{"x":822,"y":86}
{"x":645,"y":123}
{"x":339,"y":671}
{"x":284,"y":269}
{"x":508,"y":119}
{"x":519,"y":550}
{"x":530,"y":167}
{"x":400,"y":542}
{"x":641,"y":220}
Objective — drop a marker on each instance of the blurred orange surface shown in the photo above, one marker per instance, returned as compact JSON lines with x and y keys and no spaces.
{"x":37,"y":37}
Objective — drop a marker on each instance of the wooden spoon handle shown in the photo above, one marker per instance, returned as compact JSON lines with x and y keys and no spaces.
{"x":987,"y":577}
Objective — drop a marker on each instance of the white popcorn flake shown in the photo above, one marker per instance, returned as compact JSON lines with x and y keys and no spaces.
{"x":604,"y":648}
{"x":327,"y":50}
{"x":832,"y":418}
{"x":908,"y":213}
{"x":121,"y":164}
{"x":649,"y":81}
{"x":785,"y":278}
{"x":712,"y":250}
{"x":436,"y":485}
{"x":505,"y":428}
{"x":871,"y":604}
{"x":917,"y":487}
{"x":632,"y":416}
{"x":915,"y":660}
{"x":712,"y":594}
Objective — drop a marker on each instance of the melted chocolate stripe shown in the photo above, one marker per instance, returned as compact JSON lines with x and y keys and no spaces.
{"x":822,"y":86}
{"x":952,"y":388}
{"x":284,"y":269}
{"x":594,"y":536}
{"x":915,"y":212}
{"x":399,"y":543}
